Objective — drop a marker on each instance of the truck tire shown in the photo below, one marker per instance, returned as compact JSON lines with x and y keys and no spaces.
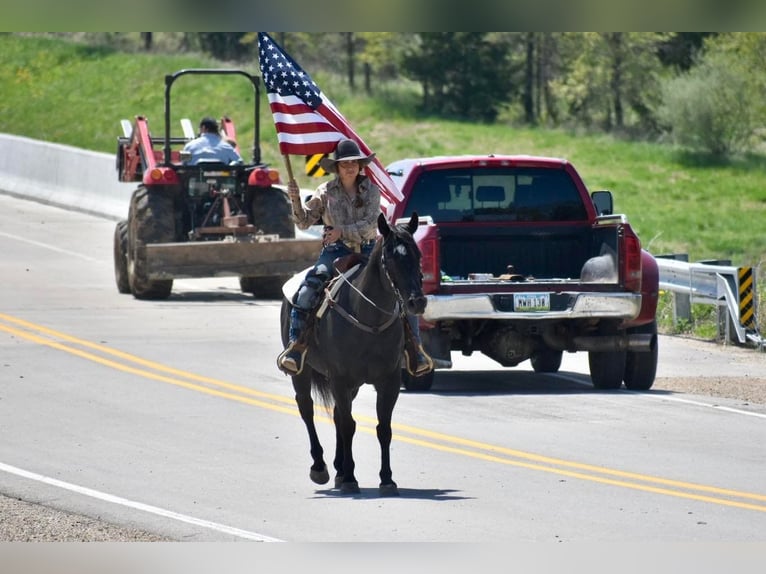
{"x":641,"y":368}
{"x":151,"y":220}
{"x":271,"y":213}
{"x":417,"y":384}
{"x":607,"y":368}
{"x":546,"y":361}
{"x":121,"y":257}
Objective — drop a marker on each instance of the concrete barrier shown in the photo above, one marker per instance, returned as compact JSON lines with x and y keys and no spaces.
{"x":63,"y":176}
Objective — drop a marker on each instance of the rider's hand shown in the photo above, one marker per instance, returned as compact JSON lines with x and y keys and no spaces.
{"x":330,"y":235}
{"x":294,"y":192}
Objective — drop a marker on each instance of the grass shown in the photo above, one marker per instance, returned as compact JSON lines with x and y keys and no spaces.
{"x":678,"y":202}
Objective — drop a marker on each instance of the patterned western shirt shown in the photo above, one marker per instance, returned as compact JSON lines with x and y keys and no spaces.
{"x":357,"y":220}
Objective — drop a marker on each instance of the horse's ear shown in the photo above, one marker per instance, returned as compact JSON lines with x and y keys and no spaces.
{"x":383,"y":226}
{"x":414,"y":221}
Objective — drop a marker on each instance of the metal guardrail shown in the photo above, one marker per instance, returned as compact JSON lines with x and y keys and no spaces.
{"x":731,"y":289}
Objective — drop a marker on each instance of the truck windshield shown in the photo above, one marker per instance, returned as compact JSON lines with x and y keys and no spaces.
{"x":488,"y":194}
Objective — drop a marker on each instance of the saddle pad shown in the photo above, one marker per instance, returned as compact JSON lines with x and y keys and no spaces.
{"x":290,"y":287}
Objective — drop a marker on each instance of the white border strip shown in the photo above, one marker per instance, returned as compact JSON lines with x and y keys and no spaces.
{"x":138,"y":505}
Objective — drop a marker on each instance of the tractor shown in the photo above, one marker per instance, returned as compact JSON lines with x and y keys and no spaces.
{"x":205,"y":220}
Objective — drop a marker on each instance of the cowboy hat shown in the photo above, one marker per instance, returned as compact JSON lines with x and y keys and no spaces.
{"x":346,"y":150}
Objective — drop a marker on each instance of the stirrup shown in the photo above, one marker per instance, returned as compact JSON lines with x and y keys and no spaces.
{"x":291,"y":360}
{"x":420,"y":367}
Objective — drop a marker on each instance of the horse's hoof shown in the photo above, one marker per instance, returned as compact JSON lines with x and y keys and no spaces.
{"x":320,"y":476}
{"x":388,"y":489}
{"x":338,"y":481}
{"x":349,"y":488}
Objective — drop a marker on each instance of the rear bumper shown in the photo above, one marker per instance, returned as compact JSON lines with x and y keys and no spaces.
{"x":624,"y":306}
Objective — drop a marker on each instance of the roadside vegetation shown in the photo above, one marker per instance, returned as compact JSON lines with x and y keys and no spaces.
{"x":711,"y":206}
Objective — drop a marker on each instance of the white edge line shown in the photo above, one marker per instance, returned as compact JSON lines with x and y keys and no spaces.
{"x":649,"y":395}
{"x":48,"y":246}
{"x":138,"y":505}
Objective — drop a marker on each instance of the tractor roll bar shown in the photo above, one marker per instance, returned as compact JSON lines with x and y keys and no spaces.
{"x":254,"y":80}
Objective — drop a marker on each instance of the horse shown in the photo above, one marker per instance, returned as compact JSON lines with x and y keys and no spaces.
{"x":358,"y":340}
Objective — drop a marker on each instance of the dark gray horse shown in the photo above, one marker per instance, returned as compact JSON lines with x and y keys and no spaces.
{"x":360,"y":339}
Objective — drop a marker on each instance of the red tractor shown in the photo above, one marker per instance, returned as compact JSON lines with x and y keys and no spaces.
{"x":204,"y":220}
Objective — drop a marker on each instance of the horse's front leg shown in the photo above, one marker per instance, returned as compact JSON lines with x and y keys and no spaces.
{"x":302,"y":386}
{"x":345,"y":427}
{"x":387,"y":395}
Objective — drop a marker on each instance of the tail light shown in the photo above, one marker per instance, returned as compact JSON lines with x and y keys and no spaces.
{"x":429,"y":262}
{"x":263,"y":177}
{"x":160,"y":176}
{"x":630,"y":260}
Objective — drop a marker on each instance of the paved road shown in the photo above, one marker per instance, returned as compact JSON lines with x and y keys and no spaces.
{"x":171,"y":418}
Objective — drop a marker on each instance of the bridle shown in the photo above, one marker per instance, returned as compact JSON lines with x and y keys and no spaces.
{"x":394,"y":314}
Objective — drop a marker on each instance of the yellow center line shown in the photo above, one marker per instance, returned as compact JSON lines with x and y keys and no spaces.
{"x":432,"y":440}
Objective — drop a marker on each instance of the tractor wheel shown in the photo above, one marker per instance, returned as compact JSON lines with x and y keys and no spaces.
{"x":151,"y":220}
{"x":546,"y":361}
{"x":271,"y":212}
{"x":121,"y":257}
{"x":641,"y":367}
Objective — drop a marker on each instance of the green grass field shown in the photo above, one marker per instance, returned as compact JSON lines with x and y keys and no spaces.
{"x":678,"y":202}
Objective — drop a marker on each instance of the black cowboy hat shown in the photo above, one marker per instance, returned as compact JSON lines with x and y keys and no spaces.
{"x":347,"y":150}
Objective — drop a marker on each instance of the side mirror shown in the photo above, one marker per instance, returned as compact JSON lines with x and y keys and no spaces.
{"x":603,"y":202}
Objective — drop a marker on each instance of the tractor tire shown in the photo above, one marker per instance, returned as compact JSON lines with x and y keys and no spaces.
{"x":272,"y":214}
{"x":151,"y":220}
{"x":641,"y":368}
{"x":121,"y":257}
{"x":546,"y":361}
{"x":607,"y":368}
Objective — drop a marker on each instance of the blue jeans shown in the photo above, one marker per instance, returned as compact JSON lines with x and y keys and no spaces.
{"x":316,"y":278}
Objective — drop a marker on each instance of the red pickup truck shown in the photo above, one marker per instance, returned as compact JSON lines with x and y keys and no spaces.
{"x":521,"y":261}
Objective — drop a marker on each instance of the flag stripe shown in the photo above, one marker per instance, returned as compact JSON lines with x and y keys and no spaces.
{"x":306,"y":121}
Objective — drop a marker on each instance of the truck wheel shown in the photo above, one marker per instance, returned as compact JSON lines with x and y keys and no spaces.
{"x":641,"y":368}
{"x":415,"y":384}
{"x":151,"y":220}
{"x":607,"y":368}
{"x":546,"y":361}
{"x":121,"y":257}
{"x":271,"y":213}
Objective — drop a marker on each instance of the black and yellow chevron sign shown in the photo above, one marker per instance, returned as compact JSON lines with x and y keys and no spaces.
{"x":312,"y":165}
{"x":746,"y":304}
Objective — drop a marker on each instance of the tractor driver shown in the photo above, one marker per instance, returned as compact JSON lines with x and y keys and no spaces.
{"x":210,"y":146}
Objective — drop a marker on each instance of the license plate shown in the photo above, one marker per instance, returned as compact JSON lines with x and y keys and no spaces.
{"x":532,"y":302}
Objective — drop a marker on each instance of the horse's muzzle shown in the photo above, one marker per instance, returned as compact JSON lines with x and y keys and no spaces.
{"x":416,"y":305}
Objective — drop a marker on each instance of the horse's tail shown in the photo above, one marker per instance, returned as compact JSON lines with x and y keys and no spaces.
{"x":322,"y":391}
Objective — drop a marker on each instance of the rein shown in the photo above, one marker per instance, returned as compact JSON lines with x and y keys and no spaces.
{"x":393,"y":315}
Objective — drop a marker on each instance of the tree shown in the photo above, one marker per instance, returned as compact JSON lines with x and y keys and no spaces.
{"x":463,"y":74}
{"x":610,"y":74}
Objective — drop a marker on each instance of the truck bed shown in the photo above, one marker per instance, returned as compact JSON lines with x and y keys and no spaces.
{"x":539,"y":251}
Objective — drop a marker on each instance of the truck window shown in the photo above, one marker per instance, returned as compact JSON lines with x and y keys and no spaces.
{"x":502,"y":194}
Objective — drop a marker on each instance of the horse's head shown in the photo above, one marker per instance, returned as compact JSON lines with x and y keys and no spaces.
{"x":401,"y":259}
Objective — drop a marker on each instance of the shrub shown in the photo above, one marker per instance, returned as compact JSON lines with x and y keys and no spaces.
{"x":711,"y":108}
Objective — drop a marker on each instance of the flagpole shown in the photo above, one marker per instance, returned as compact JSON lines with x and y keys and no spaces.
{"x":297,"y":205}
{"x":288,"y":167}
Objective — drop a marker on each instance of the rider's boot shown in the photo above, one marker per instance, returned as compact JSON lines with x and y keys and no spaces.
{"x":291,"y":359}
{"x":423,"y":363}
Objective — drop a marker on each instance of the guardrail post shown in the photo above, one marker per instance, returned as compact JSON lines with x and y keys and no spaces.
{"x":682,"y":303}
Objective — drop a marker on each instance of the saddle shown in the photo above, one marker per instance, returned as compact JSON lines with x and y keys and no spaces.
{"x":345,"y":268}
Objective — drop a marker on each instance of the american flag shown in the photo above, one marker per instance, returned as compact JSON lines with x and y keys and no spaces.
{"x":307,"y":122}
